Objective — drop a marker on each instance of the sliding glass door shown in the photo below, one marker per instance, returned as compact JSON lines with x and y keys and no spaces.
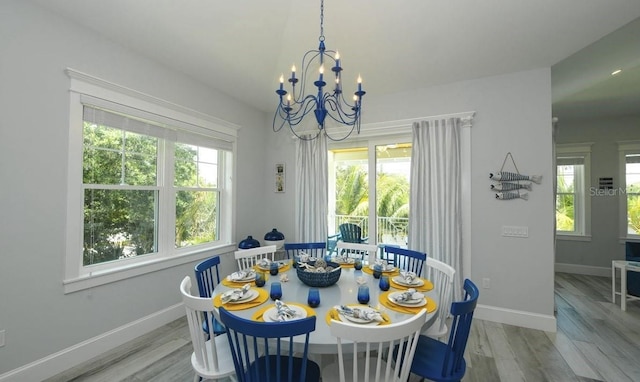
{"x":379,"y":204}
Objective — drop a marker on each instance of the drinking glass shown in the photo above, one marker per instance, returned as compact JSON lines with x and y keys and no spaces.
{"x":363,"y":294}
{"x":260,"y":279}
{"x":276,"y":291}
{"x":384,"y":283}
{"x":273,"y":268}
{"x":357,"y":265}
{"x":314,"y":298}
{"x":377,"y":271}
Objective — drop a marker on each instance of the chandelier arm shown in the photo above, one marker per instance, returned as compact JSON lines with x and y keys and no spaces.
{"x":340,"y":115}
{"x":304,"y":109}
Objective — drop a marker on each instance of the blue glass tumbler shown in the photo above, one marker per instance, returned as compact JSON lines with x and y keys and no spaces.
{"x":313,"y":299}
{"x":384,"y":283}
{"x":377,"y":271}
{"x":273,"y":268}
{"x":363,"y":294}
{"x":357,"y":264}
{"x":260,"y":279}
{"x":276,"y":291}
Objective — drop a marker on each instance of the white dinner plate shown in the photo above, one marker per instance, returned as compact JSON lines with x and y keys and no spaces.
{"x":409,"y":304}
{"x":342,"y":260}
{"x":400,"y":280}
{"x":249,"y":277}
{"x":355,"y":320}
{"x":271,"y":315}
{"x":249,"y":296}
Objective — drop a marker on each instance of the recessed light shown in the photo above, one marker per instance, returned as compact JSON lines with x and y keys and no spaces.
{"x":616,"y":72}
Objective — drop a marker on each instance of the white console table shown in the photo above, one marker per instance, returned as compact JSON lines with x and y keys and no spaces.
{"x":624,"y":266}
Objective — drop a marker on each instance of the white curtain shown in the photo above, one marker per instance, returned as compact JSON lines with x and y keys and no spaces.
{"x":311,"y":190}
{"x":435,"y":221}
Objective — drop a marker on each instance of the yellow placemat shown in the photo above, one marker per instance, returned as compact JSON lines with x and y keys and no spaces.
{"x":333,"y":314}
{"x":258,"y":315}
{"x":427,"y":286}
{"x":384,"y":300}
{"x":263,"y":296}
{"x":368,"y":270}
{"x":285,"y":268}
{"x":236,"y":284}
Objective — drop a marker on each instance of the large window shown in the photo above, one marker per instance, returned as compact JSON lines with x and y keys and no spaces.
{"x":630,"y":190}
{"x":572,"y":196}
{"x":146,"y":187}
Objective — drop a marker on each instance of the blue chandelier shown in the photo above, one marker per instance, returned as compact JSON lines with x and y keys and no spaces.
{"x":295,"y":105}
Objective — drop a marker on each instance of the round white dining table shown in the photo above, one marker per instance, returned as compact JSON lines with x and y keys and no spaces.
{"x":344,"y":292}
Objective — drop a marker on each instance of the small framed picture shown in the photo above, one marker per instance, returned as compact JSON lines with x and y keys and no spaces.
{"x":280,"y":183}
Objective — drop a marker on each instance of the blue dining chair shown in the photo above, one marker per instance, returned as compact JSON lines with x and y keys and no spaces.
{"x":264,"y":351}
{"x":317,"y":250}
{"x":444,"y":362}
{"x":405,"y":259}
{"x":208,"y":277}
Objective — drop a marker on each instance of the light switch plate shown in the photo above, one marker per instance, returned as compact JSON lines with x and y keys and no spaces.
{"x":515,"y":231}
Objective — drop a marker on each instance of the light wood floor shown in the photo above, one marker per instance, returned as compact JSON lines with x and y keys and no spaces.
{"x":595,"y":341}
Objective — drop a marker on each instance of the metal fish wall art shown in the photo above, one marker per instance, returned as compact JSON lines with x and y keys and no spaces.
{"x":508,"y":186}
{"x":503,"y":176}
{"x":508,"y":195}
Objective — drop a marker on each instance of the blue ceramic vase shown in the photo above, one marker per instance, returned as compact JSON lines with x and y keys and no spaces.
{"x":248,"y":243}
{"x":274,"y":235}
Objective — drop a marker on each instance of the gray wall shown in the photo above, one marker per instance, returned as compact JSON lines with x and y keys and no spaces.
{"x":36,"y":46}
{"x":594,"y":256}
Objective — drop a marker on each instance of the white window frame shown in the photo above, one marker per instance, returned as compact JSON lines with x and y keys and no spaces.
{"x":82,"y":87}
{"x":583,"y":194}
{"x":625,"y":148}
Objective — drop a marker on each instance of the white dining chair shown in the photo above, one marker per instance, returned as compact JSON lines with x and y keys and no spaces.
{"x":442,"y":275}
{"x":211,"y":357}
{"x":366,"y":252}
{"x":247,"y":258}
{"x":376,"y":360}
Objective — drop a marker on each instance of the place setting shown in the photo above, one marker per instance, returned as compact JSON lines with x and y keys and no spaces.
{"x":358,"y":314}
{"x":407,"y":279}
{"x":241,"y":298}
{"x":282,"y":312}
{"x":240,"y":278}
{"x":381,"y":267}
{"x":273,"y":267}
{"x":346,"y":261}
{"x":409,"y":301}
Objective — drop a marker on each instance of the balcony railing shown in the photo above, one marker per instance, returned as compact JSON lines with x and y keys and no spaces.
{"x":390,"y":230}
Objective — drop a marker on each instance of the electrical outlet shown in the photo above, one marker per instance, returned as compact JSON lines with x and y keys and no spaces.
{"x":486,"y":283}
{"x":1,"y":338}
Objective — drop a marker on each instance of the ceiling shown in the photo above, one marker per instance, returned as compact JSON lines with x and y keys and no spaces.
{"x":242,"y":47}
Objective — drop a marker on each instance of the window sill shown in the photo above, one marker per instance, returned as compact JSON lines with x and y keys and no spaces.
{"x":122,"y":273}
{"x":565,"y":237}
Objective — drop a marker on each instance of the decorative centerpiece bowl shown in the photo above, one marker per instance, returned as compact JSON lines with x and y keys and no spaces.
{"x":319,"y":279}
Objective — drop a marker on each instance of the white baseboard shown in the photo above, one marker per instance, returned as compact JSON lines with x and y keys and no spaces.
{"x":67,"y":358}
{"x":583,"y":269}
{"x":516,"y":318}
